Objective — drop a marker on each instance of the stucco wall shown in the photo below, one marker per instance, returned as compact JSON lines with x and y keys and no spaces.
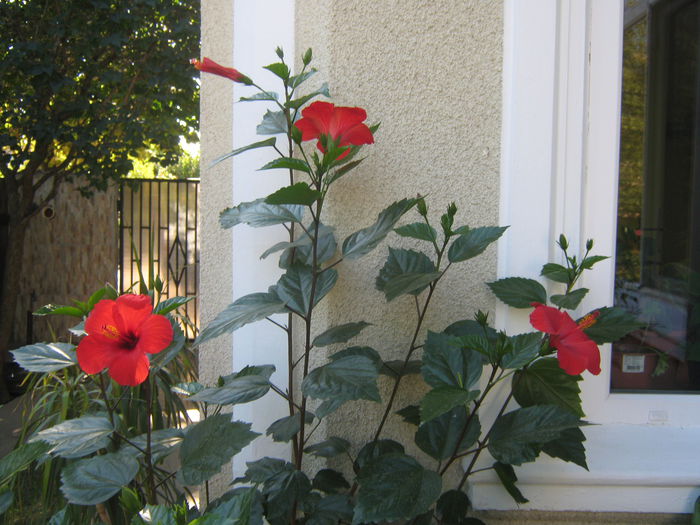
{"x":430,"y":72}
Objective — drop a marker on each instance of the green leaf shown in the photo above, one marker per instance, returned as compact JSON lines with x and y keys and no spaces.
{"x":557,"y":273}
{"x":285,"y":428}
{"x":395,"y":487}
{"x":297,"y":80}
{"x":518,"y":436}
{"x":443,"y":399}
{"x":447,"y":363}
{"x":519,"y":292}
{"x":546,"y":383}
{"x":474,"y":242}
{"x":53,"y":309}
{"x":210,"y":444}
{"x":94,"y":480}
{"x":283,"y":491}
{"x":333,"y":446}
{"x":294,"y":287}
{"x":506,"y":474}
{"x":302,"y":249}
{"x":240,"y":506}
{"x":6,"y":499}
{"x":187,"y":389}
{"x":571,"y":300}
{"x":258,"y":214}
{"x":612,"y":324}
{"x":340,"y":334}
{"x":79,"y":437}
{"x":278,"y":69}
{"x":364,"y":351}
{"x":287,"y":163}
{"x":409,"y":283}
{"x":418,"y":230}
{"x":345,"y":379}
{"x":20,"y":458}
{"x":299,"y":193}
{"x":163,"y":442}
{"x":155,"y":515}
{"x":524,"y":348}
{"x":374,"y":449}
{"x":452,"y":507}
{"x":265,"y":95}
{"x":405,"y":271}
{"x":392,"y":368}
{"x":410,"y":414}
{"x":273,"y":123}
{"x":262,"y":144}
{"x":235,"y":391}
{"x":45,"y":357}
{"x":171,"y":304}
{"x":263,"y":469}
{"x":439,"y":437}
{"x":335,"y":175}
{"x":364,"y":241}
{"x":588,"y":262}
{"x":330,"y":510}
{"x":247,"y":309}
{"x":330,"y":481}
{"x":568,"y":447}
{"x":298,"y":102}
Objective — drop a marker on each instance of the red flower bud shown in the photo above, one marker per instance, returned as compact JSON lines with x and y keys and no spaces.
{"x":207,"y":65}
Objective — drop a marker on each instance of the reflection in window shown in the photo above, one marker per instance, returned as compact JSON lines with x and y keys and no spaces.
{"x":658,"y":236}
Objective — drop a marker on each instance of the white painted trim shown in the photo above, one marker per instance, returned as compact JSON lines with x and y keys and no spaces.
{"x":560,"y":146}
{"x":259,"y":27}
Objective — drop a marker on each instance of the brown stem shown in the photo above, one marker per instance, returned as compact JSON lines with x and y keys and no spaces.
{"x":150,"y":479}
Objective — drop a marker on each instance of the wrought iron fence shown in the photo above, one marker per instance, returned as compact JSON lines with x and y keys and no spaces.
{"x":158,"y":226}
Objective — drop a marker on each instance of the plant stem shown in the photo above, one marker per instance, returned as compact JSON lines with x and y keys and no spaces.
{"x":150,"y":480}
{"x":483,"y":443}
{"x":411,"y":349}
{"x":470,"y":418}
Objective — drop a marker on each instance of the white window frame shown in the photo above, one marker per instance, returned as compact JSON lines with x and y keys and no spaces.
{"x":560,"y":148}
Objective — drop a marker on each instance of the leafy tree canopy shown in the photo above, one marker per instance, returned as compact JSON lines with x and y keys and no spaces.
{"x":86,"y":84}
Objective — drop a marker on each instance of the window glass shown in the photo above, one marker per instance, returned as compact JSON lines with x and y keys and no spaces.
{"x":658,"y":237}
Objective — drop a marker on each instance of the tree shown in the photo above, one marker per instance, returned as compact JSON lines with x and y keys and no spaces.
{"x":85,"y":85}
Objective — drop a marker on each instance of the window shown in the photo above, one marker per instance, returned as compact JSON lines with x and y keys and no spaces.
{"x":657,"y":274}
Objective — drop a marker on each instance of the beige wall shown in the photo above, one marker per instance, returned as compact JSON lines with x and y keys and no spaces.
{"x":430,"y":72}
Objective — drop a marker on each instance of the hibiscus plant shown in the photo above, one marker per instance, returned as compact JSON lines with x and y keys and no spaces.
{"x":377,"y":480}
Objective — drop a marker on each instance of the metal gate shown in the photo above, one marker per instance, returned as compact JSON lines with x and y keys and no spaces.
{"x":158,"y":226}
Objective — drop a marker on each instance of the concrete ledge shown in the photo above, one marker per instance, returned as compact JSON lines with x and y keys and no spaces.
{"x":536,"y":517}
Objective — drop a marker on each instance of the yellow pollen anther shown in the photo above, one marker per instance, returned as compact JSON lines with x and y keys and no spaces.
{"x":589,"y":320}
{"x":110,"y":331}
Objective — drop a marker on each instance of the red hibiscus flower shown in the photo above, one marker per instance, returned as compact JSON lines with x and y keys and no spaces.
{"x":343,"y":125}
{"x":120,"y":334}
{"x":209,"y":66}
{"x":575,"y":350}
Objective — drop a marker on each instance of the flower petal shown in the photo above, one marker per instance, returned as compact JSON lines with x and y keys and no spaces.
{"x":356,"y":135}
{"x":130,"y":368}
{"x":587,"y":351}
{"x":551,"y":321}
{"x":131,"y":311}
{"x":100,"y":316}
{"x":96,"y":352}
{"x":155,"y":334}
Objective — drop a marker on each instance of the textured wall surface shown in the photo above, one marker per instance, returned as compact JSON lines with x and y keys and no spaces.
{"x":67,"y":256}
{"x":216,"y":114}
{"x":430,"y":72}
